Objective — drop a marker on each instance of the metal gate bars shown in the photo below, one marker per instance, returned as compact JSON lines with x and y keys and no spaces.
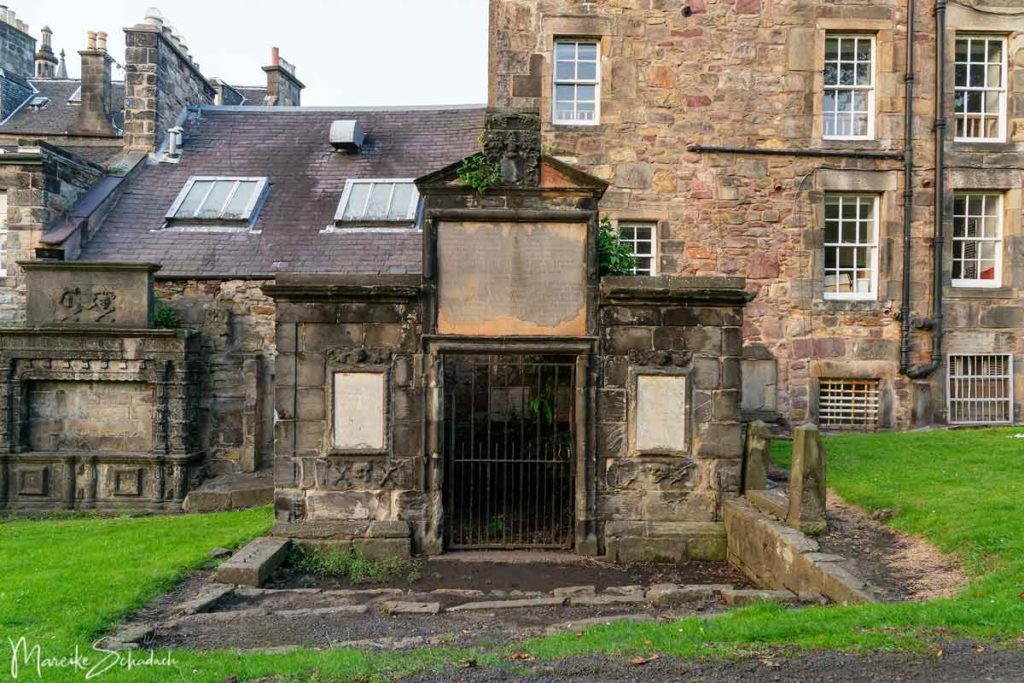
{"x":509,"y":451}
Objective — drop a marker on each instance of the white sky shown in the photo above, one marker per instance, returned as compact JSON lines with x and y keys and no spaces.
{"x":347,"y":52}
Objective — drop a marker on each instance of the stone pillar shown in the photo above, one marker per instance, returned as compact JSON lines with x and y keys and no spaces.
{"x":807,"y":481}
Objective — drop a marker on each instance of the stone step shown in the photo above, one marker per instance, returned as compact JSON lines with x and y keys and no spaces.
{"x":253,"y":564}
{"x":231,"y":492}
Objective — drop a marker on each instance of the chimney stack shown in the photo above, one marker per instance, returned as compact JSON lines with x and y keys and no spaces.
{"x":46,"y":61}
{"x":94,"y":112}
{"x":283,"y":88}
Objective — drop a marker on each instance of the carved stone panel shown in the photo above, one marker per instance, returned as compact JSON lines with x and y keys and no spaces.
{"x":661,"y":413}
{"x":339,"y":474}
{"x":127,"y":481}
{"x":33,"y":481}
{"x":85,"y":295}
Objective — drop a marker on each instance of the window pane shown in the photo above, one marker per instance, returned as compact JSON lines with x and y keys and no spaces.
{"x":565,"y":51}
{"x":565,"y":93}
{"x":863,"y":50}
{"x":214,"y":203}
{"x":587,"y":71}
{"x":193,"y":198}
{"x":588,"y":51}
{"x":995,"y":51}
{"x":586,"y":93}
{"x":400,"y":201}
{"x":831,"y":49}
{"x":356,"y":200}
{"x":564,"y":71}
{"x":380,"y":197}
{"x":244,"y":193}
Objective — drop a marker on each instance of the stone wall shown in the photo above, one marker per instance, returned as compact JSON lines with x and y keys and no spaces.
{"x":749,"y":73}
{"x":17,"y":51}
{"x":96,"y":419}
{"x":666,"y":503}
{"x":328,"y":325}
{"x":40,"y":191}
{"x":160,"y":82}
{"x":235,"y":321}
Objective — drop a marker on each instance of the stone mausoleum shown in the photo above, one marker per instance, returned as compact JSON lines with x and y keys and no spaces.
{"x":507,"y":396}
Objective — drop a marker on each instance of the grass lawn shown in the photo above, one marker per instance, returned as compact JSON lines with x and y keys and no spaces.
{"x":64,"y":582}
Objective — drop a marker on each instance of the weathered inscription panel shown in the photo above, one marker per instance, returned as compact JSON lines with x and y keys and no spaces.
{"x":512,"y":279}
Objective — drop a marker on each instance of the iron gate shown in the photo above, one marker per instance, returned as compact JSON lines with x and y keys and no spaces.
{"x":509,"y":451}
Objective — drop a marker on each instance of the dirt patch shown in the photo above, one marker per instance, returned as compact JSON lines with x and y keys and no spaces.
{"x":528,"y":577}
{"x":333,"y":615}
{"x":903,"y":566}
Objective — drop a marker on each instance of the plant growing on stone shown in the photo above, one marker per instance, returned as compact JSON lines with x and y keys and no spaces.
{"x":165,"y":317}
{"x":479,"y":173}
{"x":614,"y":255}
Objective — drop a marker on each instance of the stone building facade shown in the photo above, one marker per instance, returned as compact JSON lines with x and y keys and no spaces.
{"x":710,"y":124}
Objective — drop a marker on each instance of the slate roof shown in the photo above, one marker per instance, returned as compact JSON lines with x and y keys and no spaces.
{"x":58,"y":114}
{"x":290,"y":147}
{"x":253,"y":94}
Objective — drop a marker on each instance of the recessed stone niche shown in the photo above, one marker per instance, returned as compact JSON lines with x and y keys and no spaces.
{"x":96,"y":414}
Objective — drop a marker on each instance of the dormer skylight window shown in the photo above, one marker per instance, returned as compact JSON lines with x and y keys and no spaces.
{"x":218,"y":200}
{"x":385,"y":203}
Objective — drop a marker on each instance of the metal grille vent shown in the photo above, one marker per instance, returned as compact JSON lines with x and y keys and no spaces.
{"x":980,"y":389}
{"x":848,"y":404}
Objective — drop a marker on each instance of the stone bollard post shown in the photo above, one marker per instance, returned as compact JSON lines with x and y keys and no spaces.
{"x":807,"y":482}
{"x":755,"y":461}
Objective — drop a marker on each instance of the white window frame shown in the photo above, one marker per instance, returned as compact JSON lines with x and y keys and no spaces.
{"x":956,"y":376}
{"x":556,"y":81}
{"x":871,"y":245}
{"x":870,"y":89}
{"x":250,"y":208}
{"x":1001,"y":135}
{"x":653,"y":255}
{"x":411,"y":213}
{"x":997,"y":240}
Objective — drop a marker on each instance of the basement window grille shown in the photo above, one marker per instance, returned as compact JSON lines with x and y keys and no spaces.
{"x":980,"y":389}
{"x":848,"y":404}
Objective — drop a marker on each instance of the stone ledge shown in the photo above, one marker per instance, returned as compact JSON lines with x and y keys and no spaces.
{"x":253,"y":564}
{"x":781,"y":558}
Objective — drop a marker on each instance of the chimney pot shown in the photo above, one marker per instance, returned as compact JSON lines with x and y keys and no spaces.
{"x":101,"y":41}
{"x":154,"y":17}
{"x":90,"y":40}
{"x":275,"y":56}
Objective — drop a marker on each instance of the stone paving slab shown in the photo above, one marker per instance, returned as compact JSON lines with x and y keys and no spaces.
{"x":509,"y":604}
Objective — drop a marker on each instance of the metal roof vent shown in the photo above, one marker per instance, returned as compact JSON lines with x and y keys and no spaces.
{"x":347,"y":134}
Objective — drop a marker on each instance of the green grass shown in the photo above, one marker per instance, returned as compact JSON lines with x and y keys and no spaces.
{"x":64,"y":582}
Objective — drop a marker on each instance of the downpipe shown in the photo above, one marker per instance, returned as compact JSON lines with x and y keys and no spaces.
{"x":938,"y":246}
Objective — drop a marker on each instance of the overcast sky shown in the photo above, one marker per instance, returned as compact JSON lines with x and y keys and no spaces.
{"x":347,"y":52}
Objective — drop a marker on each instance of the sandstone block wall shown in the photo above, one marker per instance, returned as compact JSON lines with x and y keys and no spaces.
{"x":235,"y":321}
{"x":37,"y":197}
{"x":160,"y":82}
{"x":322,"y":490}
{"x":750,"y":74}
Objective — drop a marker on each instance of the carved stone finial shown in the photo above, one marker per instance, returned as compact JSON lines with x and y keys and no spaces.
{"x":512,"y":141}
